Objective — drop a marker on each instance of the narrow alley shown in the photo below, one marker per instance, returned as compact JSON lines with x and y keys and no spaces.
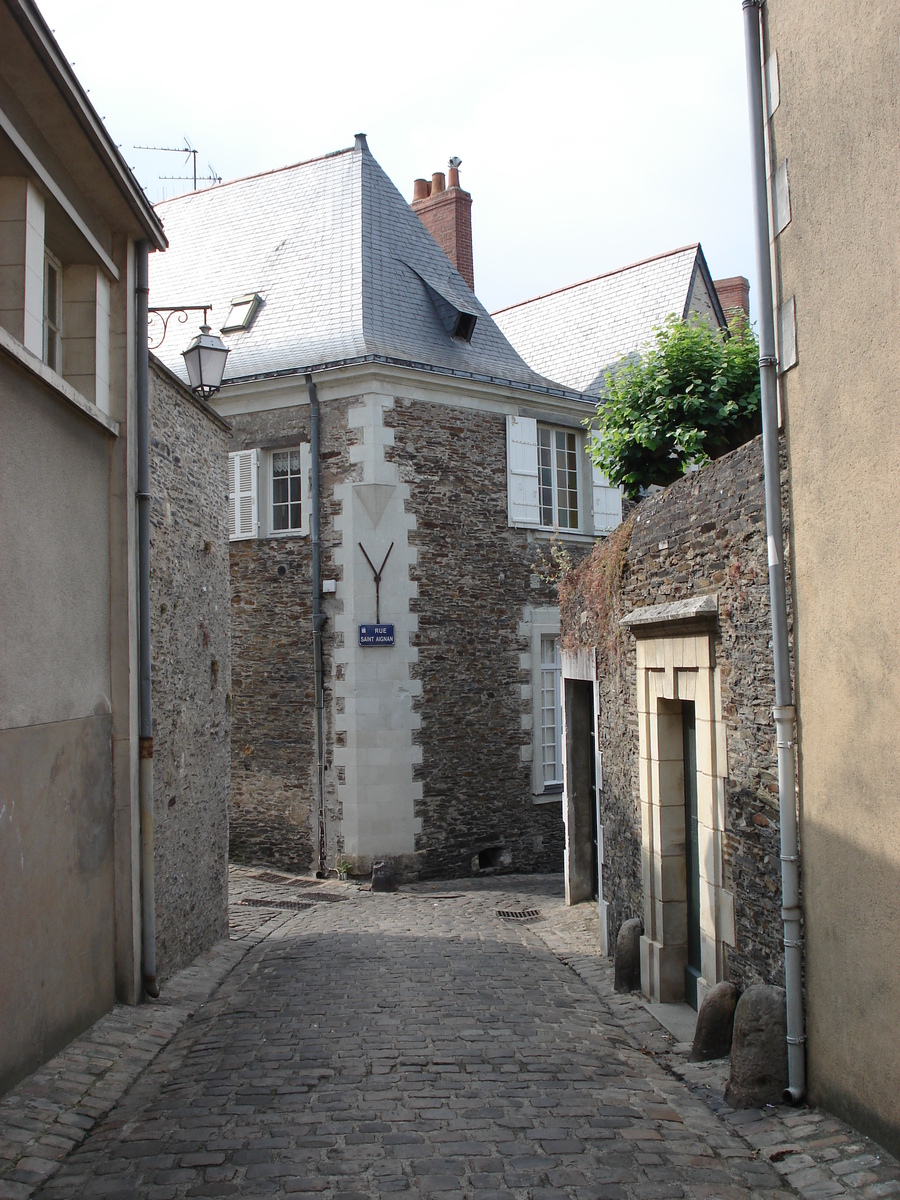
{"x":415,"y":1044}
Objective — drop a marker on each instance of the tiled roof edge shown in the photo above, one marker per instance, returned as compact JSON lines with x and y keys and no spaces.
{"x":603,"y":275}
{"x":474,"y":376}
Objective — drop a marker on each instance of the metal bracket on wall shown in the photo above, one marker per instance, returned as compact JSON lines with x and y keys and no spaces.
{"x":377,"y":572}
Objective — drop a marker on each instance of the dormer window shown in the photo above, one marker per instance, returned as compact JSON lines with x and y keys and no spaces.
{"x":242,"y":313}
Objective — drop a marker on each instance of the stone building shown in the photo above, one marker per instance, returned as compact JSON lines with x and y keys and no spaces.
{"x":831,"y":76}
{"x":190,"y":596}
{"x":432,"y":735}
{"x":670,"y":762}
{"x":74,"y":224}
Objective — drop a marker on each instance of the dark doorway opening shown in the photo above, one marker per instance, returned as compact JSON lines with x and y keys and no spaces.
{"x":691,"y":853}
{"x":583,"y":865}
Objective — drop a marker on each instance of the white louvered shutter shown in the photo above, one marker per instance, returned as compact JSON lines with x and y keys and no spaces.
{"x":522,"y":471}
{"x":243,"y":505}
{"x":305,"y":486}
{"x":607,"y":503}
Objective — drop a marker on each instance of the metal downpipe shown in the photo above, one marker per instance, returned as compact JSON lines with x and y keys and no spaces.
{"x":784,"y":706}
{"x":145,"y":730}
{"x":318,"y":619}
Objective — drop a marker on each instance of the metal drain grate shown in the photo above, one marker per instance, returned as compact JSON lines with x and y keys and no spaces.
{"x":331,"y":897}
{"x":295,"y":905}
{"x":284,"y":880}
{"x":519,"y":914}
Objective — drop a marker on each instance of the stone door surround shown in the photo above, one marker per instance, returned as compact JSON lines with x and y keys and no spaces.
{"x":676,"y":664}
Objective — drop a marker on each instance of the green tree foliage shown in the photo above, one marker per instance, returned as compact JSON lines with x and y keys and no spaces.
{"x":691,"y":397}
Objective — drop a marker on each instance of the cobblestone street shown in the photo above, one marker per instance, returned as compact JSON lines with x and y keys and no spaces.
{"x":420,"y":1045}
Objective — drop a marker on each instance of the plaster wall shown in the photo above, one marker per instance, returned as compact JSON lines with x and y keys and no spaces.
{"x":57,"y":939}
{"x":836,"y":126}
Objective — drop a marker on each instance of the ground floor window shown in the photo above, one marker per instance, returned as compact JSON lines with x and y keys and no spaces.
{"x":551,"y":712}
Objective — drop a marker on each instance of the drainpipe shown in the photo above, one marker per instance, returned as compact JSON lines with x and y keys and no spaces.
{"x":318,"y":617}
{"x":145,"y":778}
{"x":784,"y":701}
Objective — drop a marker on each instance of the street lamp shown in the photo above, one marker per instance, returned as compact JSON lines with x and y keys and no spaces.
{"x":205,"y":361}
{"x":205,"y":356}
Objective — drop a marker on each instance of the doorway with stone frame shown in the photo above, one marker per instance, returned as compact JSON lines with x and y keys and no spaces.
{"x":688,"y":914}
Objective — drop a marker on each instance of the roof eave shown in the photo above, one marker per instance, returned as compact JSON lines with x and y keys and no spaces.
{"x":39,"y":35}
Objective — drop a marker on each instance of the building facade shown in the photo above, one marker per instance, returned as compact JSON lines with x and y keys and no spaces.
{"x":831,"y":77}
{"x":71,"y":219}
{"x":670,"y":761}
{"x":445,"y":465}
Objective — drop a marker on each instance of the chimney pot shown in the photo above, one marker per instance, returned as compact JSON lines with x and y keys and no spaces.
{"x":437,"y":183}
{"x":421,"y":189}
{"x":448,"y":217}
{"x":453,"y":177}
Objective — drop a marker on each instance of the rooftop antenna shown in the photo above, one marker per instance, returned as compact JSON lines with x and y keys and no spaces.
{"x":189,"y":152}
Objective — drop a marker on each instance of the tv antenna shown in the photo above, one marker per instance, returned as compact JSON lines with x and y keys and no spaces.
{"x":190,"y":153}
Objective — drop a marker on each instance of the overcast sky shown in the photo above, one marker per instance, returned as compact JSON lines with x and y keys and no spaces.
{"x":591,"y":134}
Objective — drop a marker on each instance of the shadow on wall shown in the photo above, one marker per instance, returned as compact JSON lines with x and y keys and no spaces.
{"x":852,"y":913}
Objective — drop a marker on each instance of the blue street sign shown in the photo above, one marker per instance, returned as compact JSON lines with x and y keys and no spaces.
{"x":376,"y":635}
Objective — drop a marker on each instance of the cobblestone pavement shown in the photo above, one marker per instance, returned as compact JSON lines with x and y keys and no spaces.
{"x":416,"y":1044}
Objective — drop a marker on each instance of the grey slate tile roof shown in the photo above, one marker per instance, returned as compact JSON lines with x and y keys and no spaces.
{"x":343,"y":266}
{"x":576,"y":333}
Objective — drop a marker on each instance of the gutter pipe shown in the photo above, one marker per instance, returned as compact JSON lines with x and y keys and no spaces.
{"x":784,"y":711}
{"x":318,"y":617}
{"x":145,"y":729}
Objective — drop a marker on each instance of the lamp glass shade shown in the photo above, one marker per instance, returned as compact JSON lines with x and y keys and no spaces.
{"x":205,"y":361}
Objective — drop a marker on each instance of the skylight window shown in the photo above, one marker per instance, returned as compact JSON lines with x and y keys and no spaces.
{"x":243,"y":310}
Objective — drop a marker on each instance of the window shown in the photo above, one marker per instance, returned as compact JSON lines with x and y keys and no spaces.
{"x":552,"y":484}
{"x":286,"y":504}
{"x":558,"y":477}
{"x":551,"y":713}
{"x":268,"y":492}
{"x":242,"y":312}
{"x":52,"y":312}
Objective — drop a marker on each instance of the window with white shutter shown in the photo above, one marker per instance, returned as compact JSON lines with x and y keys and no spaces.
{"x":607,"y":502}
{"x":243,"y":515}
{"x":522,"y":471}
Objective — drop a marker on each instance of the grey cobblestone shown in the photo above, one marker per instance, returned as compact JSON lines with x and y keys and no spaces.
{"x":407,"y":1045}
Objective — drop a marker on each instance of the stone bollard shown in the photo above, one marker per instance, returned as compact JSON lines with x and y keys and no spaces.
{"x":383,"y":877}
{"x":759,"y":1062}
{"x":715,"y":1022}
{"x":628,"y":956}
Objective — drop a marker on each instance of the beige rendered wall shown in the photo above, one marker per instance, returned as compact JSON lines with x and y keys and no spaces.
{"x":57,"y":936}
{"x":837,"y":126}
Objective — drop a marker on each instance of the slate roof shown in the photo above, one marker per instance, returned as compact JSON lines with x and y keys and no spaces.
{"x":346,"y":270}
{"x":576,"y":333}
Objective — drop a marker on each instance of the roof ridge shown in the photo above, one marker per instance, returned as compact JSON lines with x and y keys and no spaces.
{"x":603,"y":275}
{"x":258,"y":175}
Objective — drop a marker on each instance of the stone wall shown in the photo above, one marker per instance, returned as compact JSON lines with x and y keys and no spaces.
{"x":703,"y":535}
{"x":191,"y":645}
{"x":274,"y":808}
{"x":475,"y":575}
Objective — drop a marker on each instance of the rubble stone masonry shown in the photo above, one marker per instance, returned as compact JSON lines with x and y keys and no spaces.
{"x":191,"y":665}
{"x":475,"y":576}
{"x":703,"y":535}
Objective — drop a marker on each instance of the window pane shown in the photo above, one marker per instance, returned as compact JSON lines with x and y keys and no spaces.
{"x":279,"y":464}
{"x":279,"y":491}
{"x":550,"y":715}
{"x":295,"y":516}
{"x":279,"y":517}
{"x":295,"y":487}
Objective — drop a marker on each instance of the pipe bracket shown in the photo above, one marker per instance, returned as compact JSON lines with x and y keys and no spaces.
{"x":790,"y":858}
{"x":793,"y":944}
{"x":796,"y":1041}
{"x":791,"y":914}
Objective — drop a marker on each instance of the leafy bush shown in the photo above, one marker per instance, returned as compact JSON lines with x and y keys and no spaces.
{"x":693,"y":396}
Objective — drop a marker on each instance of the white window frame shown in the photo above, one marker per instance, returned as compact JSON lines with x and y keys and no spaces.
{"x":599,"y":503}
{"x":52,"y":321}
{"x":258,"y":495}
{"x":549,"y":709}
{"x":552,"y":434}
{"x":544,"y":623}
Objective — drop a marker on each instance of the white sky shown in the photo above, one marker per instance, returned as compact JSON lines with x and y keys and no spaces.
{"x":591,"y":134}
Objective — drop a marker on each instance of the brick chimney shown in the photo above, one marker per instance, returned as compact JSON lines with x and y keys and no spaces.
{"x":446,"y":212}
{"x":734,"y":293}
